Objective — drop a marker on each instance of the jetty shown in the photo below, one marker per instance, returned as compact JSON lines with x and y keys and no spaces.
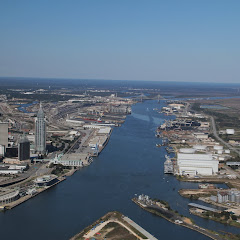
{"x":162,"y":209}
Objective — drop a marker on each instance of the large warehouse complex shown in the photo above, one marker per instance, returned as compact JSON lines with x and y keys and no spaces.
{"x":196,"y":164}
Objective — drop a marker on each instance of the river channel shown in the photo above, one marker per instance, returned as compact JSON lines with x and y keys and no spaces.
{"x":131,"y":163}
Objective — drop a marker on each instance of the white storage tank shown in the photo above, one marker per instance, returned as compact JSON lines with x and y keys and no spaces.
{"x":187,"y":150}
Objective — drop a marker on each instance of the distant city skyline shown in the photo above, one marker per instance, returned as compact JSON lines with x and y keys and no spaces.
{"x":121,"y":40}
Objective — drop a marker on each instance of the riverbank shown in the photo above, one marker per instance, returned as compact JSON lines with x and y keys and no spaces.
{"x":23,"y":188}
{"x":223,"y":218}
{"x":27,"y":197}
{"x":129,"y":164}
{"x":174,"y":218}
{"x":113,"y":225}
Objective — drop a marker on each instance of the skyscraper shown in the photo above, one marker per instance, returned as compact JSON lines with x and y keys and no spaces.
{"x":40,"y":132}
{"x":23,"y":149}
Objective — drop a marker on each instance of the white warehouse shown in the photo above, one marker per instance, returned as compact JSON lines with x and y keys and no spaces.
{"x":196,"y":164}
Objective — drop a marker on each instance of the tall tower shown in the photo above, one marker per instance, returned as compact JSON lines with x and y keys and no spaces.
{"x":40,"y":132}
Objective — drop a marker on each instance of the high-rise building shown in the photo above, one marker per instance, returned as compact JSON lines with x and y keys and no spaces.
{"x":23,"y":149}
{"x":4,"y":134}
{"x":40,"y":132}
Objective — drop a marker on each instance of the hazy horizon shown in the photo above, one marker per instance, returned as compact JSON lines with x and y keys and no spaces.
{"x":187,"y":41}
{"x":98,"y":81}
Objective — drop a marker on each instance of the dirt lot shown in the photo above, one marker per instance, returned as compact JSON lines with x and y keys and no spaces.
{"x":114,"y":231}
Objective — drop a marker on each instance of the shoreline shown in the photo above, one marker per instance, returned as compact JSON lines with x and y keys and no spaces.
{"x":113,"y":217}
{"x":27,"y":197}
{"x":61,"y":178}
{"x":208,"y":234}
{"x":213,"y":219}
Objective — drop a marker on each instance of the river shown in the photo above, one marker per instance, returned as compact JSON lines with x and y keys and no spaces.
{"x":130,"y":163}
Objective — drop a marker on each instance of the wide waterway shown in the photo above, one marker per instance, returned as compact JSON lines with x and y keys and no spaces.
{"x":131,"y":163}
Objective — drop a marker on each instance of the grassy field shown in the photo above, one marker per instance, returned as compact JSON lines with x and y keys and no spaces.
{"x":227,"y":117}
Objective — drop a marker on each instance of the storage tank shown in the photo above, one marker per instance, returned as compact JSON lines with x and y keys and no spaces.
{"x":232,"y":196}
{"x":237,"y":198}
{"x":187,"y":150}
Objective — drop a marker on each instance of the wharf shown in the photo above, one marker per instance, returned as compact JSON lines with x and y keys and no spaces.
{"x":25,"y":198}
{"x":105,"y":144}
{"x":203,"y":207}
{"x":114,"y":217}
{"x":182,"y":223}
{"x":71,"y":172}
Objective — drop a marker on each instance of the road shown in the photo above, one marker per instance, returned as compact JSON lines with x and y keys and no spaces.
{"x":32,"y":171}
{"x":220,"y":139}
{"x":231,"y":171}
{"x":140,"y":229}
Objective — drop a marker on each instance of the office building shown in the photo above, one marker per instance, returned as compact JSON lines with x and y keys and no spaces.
{"x":23,"y":149}
{"x":40,"y":132}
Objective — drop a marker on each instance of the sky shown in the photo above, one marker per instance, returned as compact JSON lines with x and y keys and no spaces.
{"x":157,"y":40}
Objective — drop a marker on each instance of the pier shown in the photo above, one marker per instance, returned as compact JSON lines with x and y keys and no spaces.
{"x":173,"y":217}
{"x":27,"y":197}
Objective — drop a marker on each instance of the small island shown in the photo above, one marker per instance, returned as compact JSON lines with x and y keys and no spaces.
{"x":161,"y":208}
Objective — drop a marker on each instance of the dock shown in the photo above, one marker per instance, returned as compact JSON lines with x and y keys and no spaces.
{"x":195,"y":205}
{"x":172,"y":217}
{"x":27,"y":197}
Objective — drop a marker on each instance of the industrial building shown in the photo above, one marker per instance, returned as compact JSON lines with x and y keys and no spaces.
{"x":196,"y":164}
{"x":23,"y":149}
{"x":71,"y":160}
{"x":40,"y":132}
{"x":46,"y":180}
{"x":205,"y":208}
{"x":232,"y":195}
{"x":119,"y":109}
{"x":98,"y":140}
{"x":8,"y":195}
{"x":11,"y":169}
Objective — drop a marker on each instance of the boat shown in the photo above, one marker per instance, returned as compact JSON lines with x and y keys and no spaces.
{"x":168,"y":165}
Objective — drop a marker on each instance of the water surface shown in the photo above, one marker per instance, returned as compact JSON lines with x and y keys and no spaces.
{"x":131,"y":163}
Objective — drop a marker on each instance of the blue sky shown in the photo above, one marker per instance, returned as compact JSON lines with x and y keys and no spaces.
{"x":182,"y":40}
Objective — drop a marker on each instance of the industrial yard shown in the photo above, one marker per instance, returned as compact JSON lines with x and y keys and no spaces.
{"x":198,"y":153}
